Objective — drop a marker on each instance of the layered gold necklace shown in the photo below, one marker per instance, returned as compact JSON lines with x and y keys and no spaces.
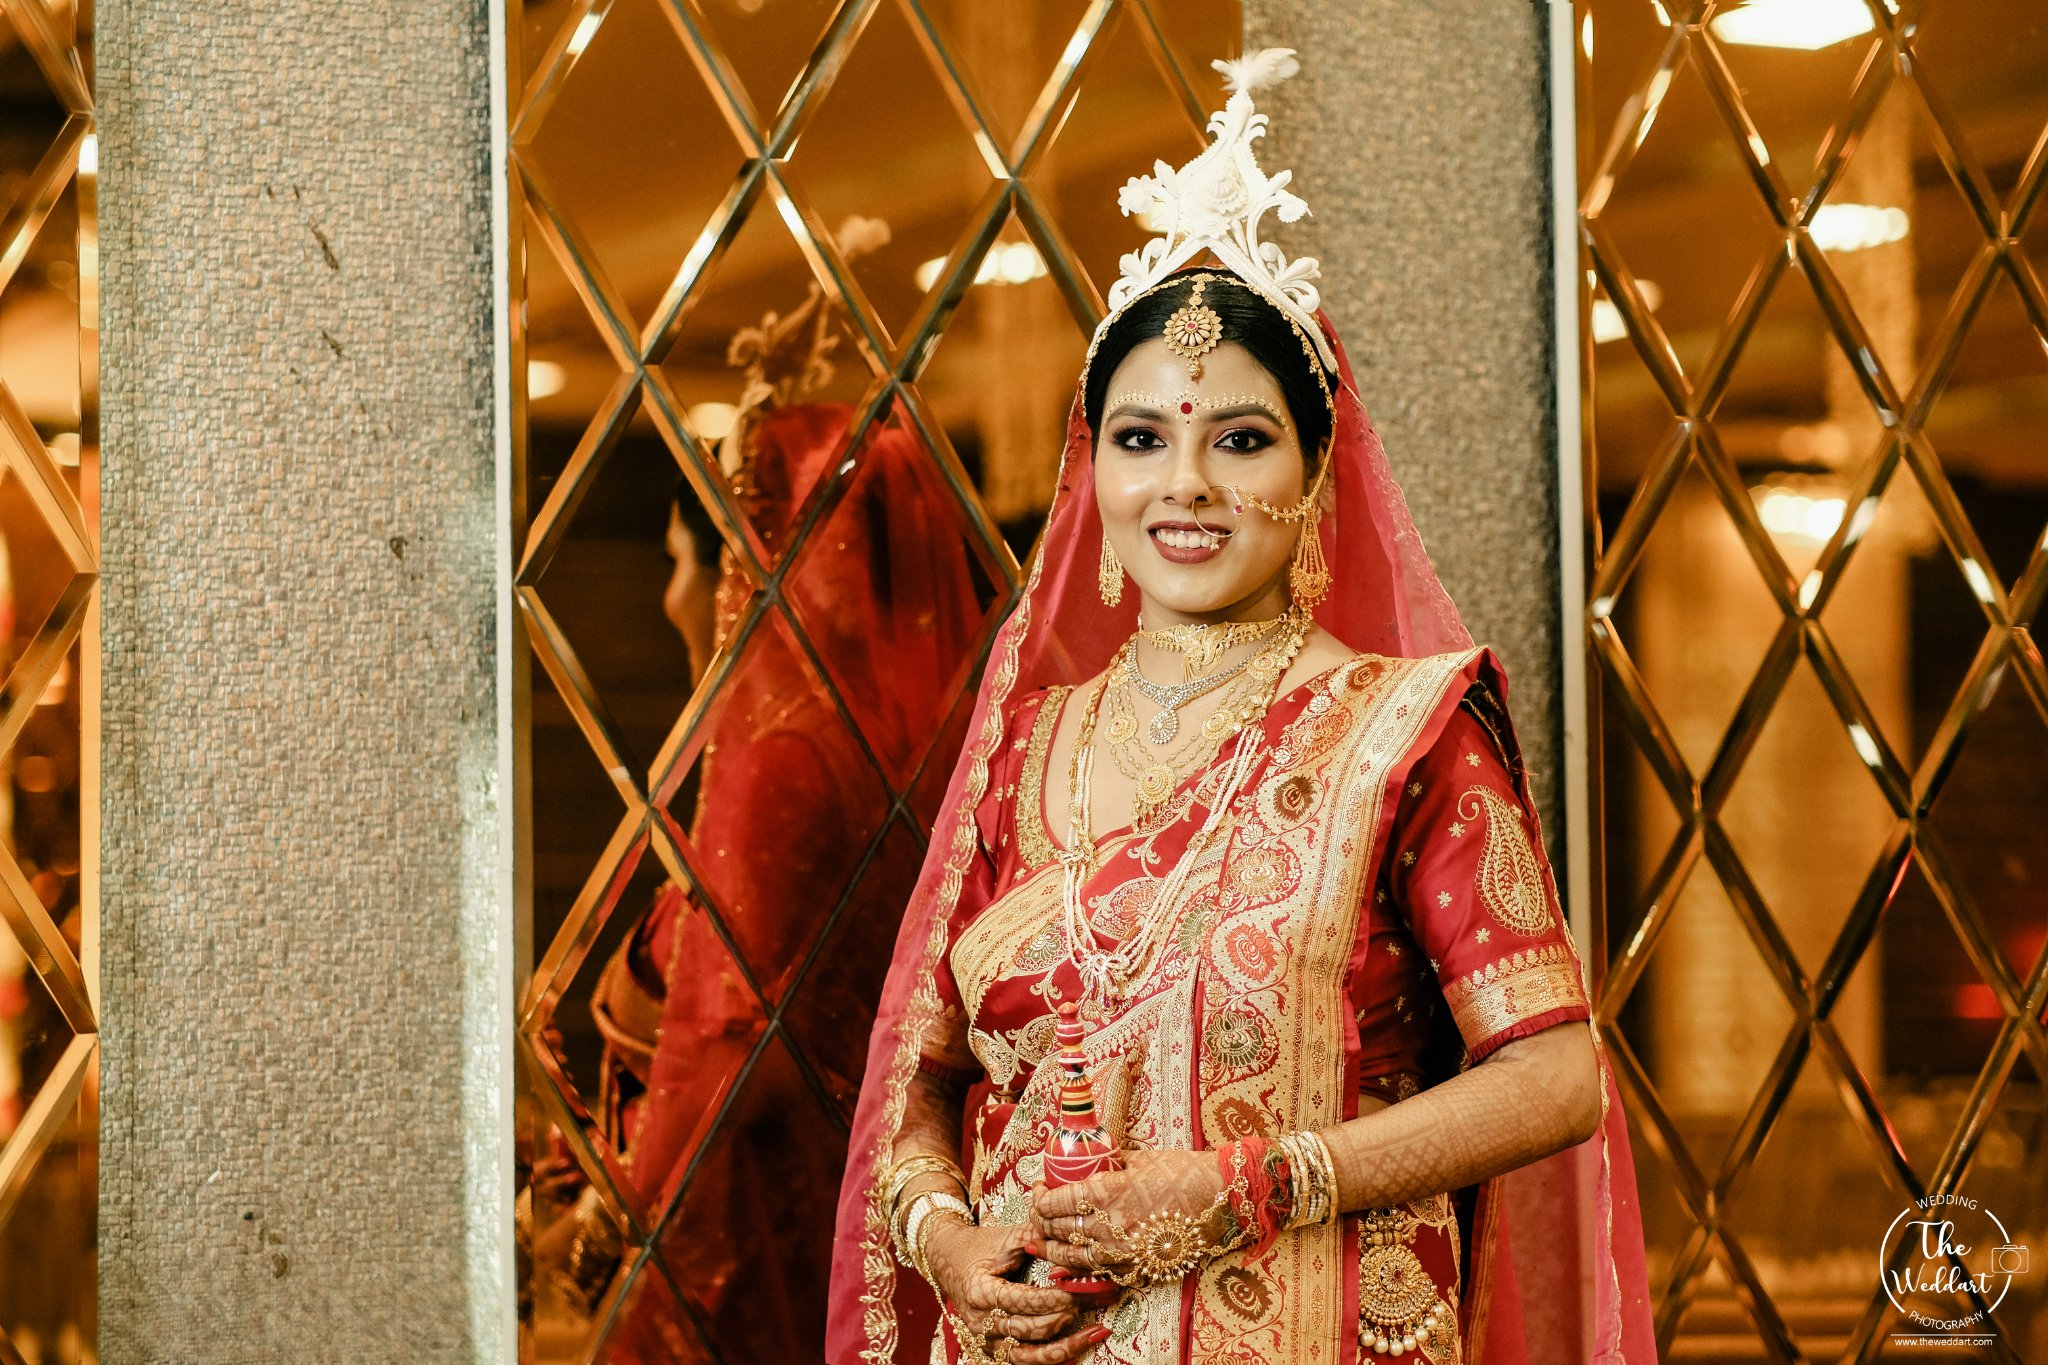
{"x":1107,"y":973}
{"x":1154,"y":772}
{"x":1157,"y":769}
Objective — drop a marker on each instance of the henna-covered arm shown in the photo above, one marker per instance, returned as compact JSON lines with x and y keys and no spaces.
{"x":1531,"y":1097}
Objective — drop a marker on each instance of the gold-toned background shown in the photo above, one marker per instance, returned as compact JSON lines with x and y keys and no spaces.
{"x":1816,"y":492}
{"x":49,"y":525}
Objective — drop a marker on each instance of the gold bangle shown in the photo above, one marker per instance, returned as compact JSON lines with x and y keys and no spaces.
{"x":907,"y":1170}
{"x":1313,"y":1174}
{"x":1329,"y":1163}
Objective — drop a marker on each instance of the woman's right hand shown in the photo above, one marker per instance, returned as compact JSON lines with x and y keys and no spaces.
{"x":969,"y":1263}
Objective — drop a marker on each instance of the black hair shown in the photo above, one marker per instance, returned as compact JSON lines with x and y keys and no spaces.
{"x":704,"y":537}
{"x":1251,"y":322}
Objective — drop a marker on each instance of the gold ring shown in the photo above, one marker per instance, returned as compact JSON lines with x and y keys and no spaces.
{"x":1085,"y":1209}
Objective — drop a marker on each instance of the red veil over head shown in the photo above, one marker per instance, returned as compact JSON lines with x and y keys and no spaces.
{"x":1577,"y":1244}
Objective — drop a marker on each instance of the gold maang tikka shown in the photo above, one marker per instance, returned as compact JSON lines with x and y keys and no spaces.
{"x":1194,"y":329}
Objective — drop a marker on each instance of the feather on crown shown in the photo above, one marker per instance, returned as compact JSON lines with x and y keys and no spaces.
{"x":1214,"y":203}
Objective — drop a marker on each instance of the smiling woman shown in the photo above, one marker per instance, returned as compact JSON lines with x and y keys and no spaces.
{"x":1301,"y":911}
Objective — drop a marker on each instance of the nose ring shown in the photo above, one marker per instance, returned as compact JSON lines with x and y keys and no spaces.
{"x":1236,"y":507}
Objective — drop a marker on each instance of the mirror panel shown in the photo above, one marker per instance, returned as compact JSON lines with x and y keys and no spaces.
{"x":49,"y":686}
{"x":1824,"y":906}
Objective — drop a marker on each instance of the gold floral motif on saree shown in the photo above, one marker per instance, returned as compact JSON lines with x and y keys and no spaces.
{"x":1285,"y":800}
{"x":1514,"y":989}
{"x":1510,"y":878}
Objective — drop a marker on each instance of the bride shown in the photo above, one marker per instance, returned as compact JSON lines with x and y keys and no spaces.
{"x":1240,"y":790}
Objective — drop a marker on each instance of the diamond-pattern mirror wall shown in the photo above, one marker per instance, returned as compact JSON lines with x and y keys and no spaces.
{"x":49,"y":519}
{"x":801,"y":291}
{"x":1816,"y":278}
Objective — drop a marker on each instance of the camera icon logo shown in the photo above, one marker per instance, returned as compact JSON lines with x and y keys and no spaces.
{"x":2009,"y":1259}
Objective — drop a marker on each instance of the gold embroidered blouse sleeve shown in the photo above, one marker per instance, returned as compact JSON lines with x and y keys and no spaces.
{"x":1465,"y":865}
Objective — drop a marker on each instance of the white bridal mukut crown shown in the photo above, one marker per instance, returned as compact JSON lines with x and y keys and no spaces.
{"x":1214,"y":204}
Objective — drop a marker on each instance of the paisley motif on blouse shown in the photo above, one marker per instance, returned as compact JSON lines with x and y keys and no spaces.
{"x":1510,"y":879}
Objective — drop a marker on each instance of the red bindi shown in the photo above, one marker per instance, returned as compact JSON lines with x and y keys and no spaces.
{"x":1187,"y":407}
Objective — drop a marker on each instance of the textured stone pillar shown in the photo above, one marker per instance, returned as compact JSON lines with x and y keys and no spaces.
{"x":1419,"y":136}
{"x":305,"y":991}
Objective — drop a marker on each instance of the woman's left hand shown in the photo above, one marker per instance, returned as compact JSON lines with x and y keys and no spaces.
{"x":1096,"y":1225}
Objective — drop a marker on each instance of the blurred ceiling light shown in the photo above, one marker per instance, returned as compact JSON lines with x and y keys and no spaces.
{"x":1586,"y":36}
{"x":63,"y":448}
{"x":713,"y":420}
{"x":1607,"y":323}
{"x":1006,"y":263}
{"x":586,"y":29}
{"x":89,"y":154}
{"x":1797,"y":515}
{"x":1802,"y":25}
{"x":1825,"y":443}
{"x":545,"y":379}
{"x":36,"y":773}
{"x":1857,"y":227}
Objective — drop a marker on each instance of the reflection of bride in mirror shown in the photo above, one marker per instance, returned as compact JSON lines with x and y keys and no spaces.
{"x":779,"y":810}
{"x":1240,"y":789}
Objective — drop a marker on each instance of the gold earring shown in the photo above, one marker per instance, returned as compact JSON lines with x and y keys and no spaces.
{"x":1308,"y":578}
{"x":1109,"y":578}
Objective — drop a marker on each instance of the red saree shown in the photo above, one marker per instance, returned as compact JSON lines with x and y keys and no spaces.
{"x":1317,"y":960}
{"x":785,"y":803}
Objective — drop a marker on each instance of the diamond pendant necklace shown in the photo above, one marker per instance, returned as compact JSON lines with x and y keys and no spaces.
{"x":1163,"y":727}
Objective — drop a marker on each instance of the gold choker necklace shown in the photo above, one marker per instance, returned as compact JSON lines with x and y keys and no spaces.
{"x":1200,"y":644}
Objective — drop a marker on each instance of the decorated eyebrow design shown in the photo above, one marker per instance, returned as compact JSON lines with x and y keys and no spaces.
{"x":1188,"y":404}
